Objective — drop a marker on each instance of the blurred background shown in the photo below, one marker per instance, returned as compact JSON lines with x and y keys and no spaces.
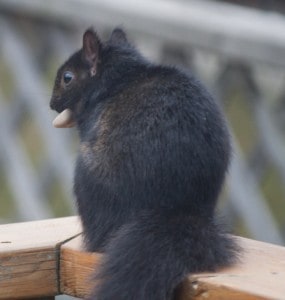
{"x":237,"y":48}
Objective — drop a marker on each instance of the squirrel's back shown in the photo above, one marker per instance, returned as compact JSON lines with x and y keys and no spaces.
{"x":161,"y":139}
{"x":153,"y":156}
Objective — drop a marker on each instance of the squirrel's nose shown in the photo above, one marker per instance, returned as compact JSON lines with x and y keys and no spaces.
{"x":55,"y":105}
{"x":51,"y":105}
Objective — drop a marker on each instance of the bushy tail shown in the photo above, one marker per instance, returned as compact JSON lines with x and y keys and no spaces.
{"x":148,"y":258}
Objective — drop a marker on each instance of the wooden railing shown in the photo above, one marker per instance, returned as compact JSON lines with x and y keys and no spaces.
{"x":44,"y":258}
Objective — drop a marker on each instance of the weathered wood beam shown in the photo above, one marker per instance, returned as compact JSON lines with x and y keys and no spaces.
{"x":76,"y":267}
{"x":46,"y":258}
{"x":260,"y":274}
{"x":29,"y":256}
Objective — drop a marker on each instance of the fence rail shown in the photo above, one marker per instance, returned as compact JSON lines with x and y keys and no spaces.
{"x":45,"y":259}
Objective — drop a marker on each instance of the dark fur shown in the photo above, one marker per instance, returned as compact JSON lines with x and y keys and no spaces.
{"x":153,"y":157}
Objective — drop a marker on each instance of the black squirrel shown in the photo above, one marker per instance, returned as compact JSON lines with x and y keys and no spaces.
{"x":154,"y":151}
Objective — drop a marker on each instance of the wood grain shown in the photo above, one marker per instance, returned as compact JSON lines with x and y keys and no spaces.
{"x":260,"y":274}
{"x":46,"y":258}
{"x":76,"y":268}
{"x":29,"y":256}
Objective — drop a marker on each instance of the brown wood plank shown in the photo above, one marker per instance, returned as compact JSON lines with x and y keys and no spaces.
{"x":29,"y":256}
{"x":76,"y":267}
{"x":260,"y":274}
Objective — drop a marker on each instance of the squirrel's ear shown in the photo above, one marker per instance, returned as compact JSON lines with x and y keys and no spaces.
{"x":118,"y":37}
{"x":91,"y":49}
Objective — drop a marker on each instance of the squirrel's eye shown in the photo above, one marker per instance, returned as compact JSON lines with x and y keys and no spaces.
{"x":67,"y":77}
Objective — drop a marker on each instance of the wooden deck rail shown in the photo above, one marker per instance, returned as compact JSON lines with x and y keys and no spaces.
{"x":44,"y":258}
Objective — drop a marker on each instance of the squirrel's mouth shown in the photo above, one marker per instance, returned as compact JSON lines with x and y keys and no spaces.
{"x":65,"y":119}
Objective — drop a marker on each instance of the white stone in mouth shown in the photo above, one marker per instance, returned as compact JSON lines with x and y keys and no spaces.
{"x":64,"y":119}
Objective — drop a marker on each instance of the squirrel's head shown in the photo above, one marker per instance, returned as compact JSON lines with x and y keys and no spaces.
{"x":77,"y":73}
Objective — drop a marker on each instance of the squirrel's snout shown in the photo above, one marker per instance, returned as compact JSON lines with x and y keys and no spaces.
{"x":56,"y":105}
